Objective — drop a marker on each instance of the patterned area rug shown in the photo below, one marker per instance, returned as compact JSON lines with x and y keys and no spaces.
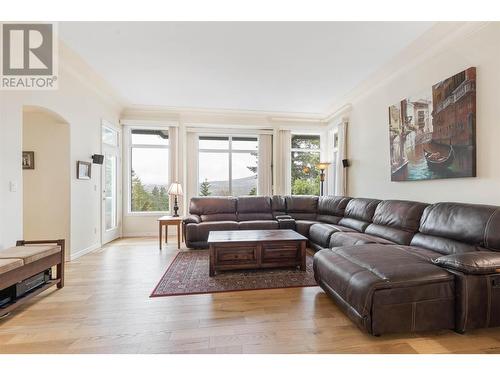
{"x":188,"y":274}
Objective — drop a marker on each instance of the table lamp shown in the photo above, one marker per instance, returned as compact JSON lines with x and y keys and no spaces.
{"x":175,"y":189}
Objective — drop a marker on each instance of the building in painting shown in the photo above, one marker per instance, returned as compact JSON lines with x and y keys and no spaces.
{"x":453,"y":117}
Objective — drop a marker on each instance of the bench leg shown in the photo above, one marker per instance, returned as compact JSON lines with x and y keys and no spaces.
{"x":60,"y":275}
{"x":5,"y":315}
{"x":60,"y":266}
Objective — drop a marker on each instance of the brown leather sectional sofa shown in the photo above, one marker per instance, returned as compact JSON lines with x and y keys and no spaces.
{"x":392,"y":266}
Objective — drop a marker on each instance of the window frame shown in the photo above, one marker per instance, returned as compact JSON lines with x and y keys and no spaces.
{"x":228,"y":151}
{"x":130,"y":147}
{"x":292,"y":150}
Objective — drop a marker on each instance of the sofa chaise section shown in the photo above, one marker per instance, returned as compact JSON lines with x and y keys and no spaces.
{"x":387,"y":288}
{"x":446,"y":278}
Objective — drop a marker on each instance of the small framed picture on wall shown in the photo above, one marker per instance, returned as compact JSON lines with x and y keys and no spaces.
{"x":28,"y":160}
{"x":83,"y":170}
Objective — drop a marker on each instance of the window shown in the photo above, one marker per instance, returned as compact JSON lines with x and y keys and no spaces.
{"x":149,"y":174}
{"x":305,"y":156}
{"x":109,"y":136}
{"x":227,"y":165}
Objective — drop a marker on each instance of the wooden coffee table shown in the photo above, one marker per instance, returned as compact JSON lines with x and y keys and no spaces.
{"x":255,"y":249}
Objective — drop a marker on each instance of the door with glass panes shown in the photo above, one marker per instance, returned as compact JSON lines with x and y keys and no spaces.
{"x":111,"y":190}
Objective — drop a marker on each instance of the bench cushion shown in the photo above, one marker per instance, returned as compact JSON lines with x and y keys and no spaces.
{"x":29,"y":253}
{"x":7,"y":265}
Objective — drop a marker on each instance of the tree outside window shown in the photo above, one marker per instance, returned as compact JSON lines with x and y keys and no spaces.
{"x":149,"y":173}
{"x":305,"y":156}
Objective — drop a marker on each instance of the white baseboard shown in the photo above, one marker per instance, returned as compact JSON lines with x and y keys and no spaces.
{"x":82,"y":252}
{"x":172,"y":232}
{"x":140,"y":234}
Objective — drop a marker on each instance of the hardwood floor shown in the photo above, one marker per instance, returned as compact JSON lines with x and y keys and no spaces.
{"x":105,"y":308}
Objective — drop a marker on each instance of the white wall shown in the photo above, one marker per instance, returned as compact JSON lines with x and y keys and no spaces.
{"x":46,"y":189}
{"x":82,"y":100}
{"x":368,"y":133}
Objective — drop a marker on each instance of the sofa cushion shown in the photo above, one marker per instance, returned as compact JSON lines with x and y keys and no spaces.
{"x":355,"y":238}
{"x":199,"y":232}
{"x":331,"y":208}
{"x":29,"y":253}
{"x":320,"y":233}
{"x":7,"y":265}
{"x":302,"y":226}
{"x":254,"y":208}
{"x":213,"y":208}
{"x":218,"y":217}
{"x":259,"y":224}
{"x":452,"y":228}
{"x":396,"y":221}
{"x":253,"y":204}
{"x":359,"y":213}
{"x":278,"y":205}
{"x":302,"y":207}
{"x":387,"y":288}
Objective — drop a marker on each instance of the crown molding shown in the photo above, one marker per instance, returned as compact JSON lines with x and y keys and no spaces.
{"x":341,"y":112}
{"x":72,"y":63}
{"x":189,"y":113}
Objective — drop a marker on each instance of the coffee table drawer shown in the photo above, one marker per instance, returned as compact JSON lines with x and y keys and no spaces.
{"x":234,"y":254}
{"x":276,"y":251}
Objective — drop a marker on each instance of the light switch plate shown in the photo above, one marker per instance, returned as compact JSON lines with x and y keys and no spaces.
{"x":13,"y":186}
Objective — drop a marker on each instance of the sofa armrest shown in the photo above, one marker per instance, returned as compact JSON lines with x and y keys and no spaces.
{"x":475,"y":263}
{"x":191,"y":219}
{"x":283,"y":217}
{"x":285,"y":222}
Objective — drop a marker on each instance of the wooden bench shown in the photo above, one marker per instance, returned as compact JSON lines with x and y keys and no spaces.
{"x":27,"y":259}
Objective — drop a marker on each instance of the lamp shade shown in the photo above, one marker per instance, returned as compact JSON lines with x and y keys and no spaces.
{"x":175,"y":189}
{"x":322,"y":166}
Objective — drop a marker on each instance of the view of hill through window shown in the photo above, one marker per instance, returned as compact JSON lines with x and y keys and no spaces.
{"x":227,"y":166}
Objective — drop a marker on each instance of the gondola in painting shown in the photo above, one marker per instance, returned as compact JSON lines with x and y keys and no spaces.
{"x":433,"y":135}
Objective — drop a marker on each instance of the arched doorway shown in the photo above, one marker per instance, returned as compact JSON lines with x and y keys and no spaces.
{"x":46,"y":183}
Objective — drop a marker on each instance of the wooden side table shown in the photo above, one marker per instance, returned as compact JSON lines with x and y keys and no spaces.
{"x":165,"y":221}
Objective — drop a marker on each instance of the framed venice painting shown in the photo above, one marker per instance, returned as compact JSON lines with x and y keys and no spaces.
{"x":433,"y":135}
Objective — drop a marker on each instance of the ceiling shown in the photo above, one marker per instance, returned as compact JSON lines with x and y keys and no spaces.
{"x":294,"y":67}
